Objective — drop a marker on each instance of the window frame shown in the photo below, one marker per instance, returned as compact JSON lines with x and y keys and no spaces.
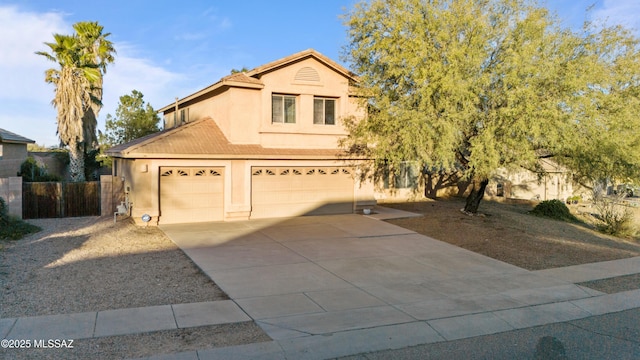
{"x":324,"y":100}
{"x":285,"y":115}
{"x":184,"y":115}
{"x":405,"y":176}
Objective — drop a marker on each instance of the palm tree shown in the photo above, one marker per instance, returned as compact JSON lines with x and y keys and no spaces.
{"x":82,"y":58}
{"x":95,"y":45}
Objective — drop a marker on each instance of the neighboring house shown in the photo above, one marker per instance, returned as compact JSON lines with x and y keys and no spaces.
{"x":554,"y":182}
{"x":13,"y":152}
{"x":258,"y":144}
{"x":551,"y":181}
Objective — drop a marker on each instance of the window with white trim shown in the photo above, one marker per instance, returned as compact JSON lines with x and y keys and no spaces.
{"x":283,"y":109}
{"x":324,"y":111}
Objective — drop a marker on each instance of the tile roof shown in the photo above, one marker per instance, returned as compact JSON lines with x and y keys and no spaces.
{"x":8,"y":136}
{"x":203,"y":139}
{"x":241,"y":77}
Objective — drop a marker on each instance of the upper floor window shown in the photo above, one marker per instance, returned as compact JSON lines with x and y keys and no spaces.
{"x":324,"y":111}
{"x":184,"y":116}
{"x":176,"y":118}
{"x":0,"y":151}
{"x":283,"y":109}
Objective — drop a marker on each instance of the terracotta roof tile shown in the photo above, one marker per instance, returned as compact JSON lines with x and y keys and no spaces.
{"x":241,"y":77}
{"x":204,"y":139}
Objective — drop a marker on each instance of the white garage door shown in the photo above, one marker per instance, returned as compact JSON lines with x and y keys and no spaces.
{"x":293,"y":191}
{"x":189,"y":194}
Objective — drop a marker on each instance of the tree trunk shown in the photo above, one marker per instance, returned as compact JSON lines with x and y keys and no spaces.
{"x":476,"y":195}
{"x":76,"y":162}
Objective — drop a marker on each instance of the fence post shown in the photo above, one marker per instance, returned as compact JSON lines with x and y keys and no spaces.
{"x":61,"y":203}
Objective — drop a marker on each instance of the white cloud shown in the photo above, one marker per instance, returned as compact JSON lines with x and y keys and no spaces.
{"x":21,"y":35}
{"x":211,"y":16}
{"x":225,"y":23}
{"x":26,"y":97}
{"x":157,"y":84}
{"x":619,"y":12}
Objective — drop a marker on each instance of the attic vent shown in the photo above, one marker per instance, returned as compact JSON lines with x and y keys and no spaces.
{"x":307,"y":74}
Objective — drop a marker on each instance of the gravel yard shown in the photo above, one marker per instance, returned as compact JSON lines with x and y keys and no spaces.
{"x":91,"y":264}
{"x":506,"y":232}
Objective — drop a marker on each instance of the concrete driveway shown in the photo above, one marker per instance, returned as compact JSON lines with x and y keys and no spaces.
{"x":324,"y":274}
{"x":321,"y":275}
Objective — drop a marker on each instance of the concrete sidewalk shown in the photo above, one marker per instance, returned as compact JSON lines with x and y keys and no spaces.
{"x":330,"y":286}
{"x":122,"y":321}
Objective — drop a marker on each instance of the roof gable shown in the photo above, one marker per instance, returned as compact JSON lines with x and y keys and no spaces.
{"x":251,"y":79}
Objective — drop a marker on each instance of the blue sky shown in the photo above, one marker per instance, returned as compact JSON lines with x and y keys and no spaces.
{"x":171,"y":49}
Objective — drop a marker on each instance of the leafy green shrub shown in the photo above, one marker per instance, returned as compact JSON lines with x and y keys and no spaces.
{"x":13,"y":228}
{"x":32,"y":172}
{"x":554,"y":209}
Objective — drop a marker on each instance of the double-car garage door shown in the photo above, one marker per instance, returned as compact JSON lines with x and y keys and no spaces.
{"x":196,"y":194}
{"x":293,"y":191}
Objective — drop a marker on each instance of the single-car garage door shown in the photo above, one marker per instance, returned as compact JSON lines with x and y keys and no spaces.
{"x":293,"y":191}
{"x":190,"y":194}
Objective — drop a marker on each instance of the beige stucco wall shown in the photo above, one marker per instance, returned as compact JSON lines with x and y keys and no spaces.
{"x":140,"y":186}
{"x":142,"y":181}
{"x":244,"y":114}
{"x":217,"y":106}
{"x":304,"y":133}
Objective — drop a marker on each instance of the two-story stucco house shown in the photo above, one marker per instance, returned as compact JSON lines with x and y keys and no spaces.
{"x":13,"y":152}
{"x":258,"y":144}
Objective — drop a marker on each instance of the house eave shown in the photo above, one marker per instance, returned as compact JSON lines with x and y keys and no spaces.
{"x":229,"y":157}
{"x":3,"y":141}
{"x":208,"y":89}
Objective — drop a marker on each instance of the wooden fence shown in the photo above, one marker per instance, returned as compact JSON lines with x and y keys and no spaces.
{"x":60,"y":199}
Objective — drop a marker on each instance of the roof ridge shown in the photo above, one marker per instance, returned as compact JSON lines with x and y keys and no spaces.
{"x":298,"y":56}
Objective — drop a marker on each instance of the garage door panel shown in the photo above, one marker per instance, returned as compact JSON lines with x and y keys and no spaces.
{"x":191,"y":195}
{"x":296,"y":191}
